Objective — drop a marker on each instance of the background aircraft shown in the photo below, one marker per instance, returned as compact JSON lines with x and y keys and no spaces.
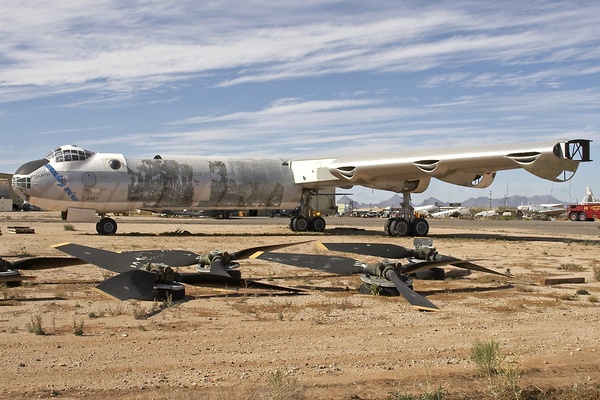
{"x":81,"y":183}
{"x":426,"y":210}
{"x":543,"y":209}
{"x":487,"y":214}
{"x":454,"y":212}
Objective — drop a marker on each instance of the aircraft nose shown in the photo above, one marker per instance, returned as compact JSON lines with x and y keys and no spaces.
{"x":21,"y":180}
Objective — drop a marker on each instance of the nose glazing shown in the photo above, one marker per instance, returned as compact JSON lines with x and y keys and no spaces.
{"x":21,"y":180}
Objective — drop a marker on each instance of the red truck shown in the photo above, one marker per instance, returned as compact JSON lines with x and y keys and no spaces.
{"x":583,"y":212}
{"x":587,"y":210}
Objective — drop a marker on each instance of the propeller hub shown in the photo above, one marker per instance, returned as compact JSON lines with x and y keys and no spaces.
{"x":165,"y":274}
{"x":382,"y":268}
{"x":427,"y":253}
{"x":223,"y":256}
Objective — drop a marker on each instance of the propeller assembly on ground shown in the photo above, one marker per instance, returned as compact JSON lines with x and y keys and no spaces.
{"x":150,"y":275}
{"x":385,"y":277}
{"x":10,"y":271}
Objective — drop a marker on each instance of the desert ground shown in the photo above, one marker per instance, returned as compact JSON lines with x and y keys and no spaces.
{"x":329,"y":341}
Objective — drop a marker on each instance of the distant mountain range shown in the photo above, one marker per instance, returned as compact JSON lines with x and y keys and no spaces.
{"x":473,"y":202}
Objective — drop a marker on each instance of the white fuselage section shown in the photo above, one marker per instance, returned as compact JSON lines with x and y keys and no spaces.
{"x":111,"y":183}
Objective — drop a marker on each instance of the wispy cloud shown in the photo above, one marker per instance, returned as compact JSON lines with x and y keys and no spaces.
{"x":114,"y":47}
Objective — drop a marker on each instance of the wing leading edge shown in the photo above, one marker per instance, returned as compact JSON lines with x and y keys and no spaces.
{"x":470,"y":167}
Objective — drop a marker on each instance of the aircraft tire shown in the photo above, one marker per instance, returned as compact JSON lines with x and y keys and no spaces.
{"x":387,"y":225}
{"x":420,"y":227}
{"x":317,"y":224}
{"x":300,"y":224}
{"x":291,"y":225}
{"x":400,"y":227}
{"x":106,"y":226}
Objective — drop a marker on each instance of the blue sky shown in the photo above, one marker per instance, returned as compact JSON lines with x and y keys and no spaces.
{"x":301,"y":79}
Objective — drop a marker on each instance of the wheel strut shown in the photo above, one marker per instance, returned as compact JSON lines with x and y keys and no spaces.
{"x":305,"y":220}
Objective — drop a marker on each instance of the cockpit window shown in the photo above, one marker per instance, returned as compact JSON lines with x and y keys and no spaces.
{"x":69,"y":153}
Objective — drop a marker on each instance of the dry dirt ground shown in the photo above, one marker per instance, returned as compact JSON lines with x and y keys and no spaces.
{"x":329,"y":342}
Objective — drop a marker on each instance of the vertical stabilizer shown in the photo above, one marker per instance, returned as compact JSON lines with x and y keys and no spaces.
{"x":589,"y":196}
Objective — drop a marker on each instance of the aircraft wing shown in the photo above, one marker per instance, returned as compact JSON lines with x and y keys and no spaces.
{"x":552,"y":211}
{"x":411,"y":171}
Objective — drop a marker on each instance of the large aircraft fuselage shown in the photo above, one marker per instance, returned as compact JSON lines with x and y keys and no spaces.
{"x":112,"y":183}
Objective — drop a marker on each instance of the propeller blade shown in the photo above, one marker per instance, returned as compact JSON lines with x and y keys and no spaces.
{"x":38,"y":263}
{"x":336,"y":265}
{"x":173,"y":258}
{"x":382,"y":250}
{"x":102,"y":258}
{"x":203,"y":278}
{"x":474,"y":267}
{"x":411,"y":268}
{"x":133,"y":284}
{"x":217,"y":268}
{"x":246,"y":253}
{"x":415,"y":299}
{"x":16,"y":277}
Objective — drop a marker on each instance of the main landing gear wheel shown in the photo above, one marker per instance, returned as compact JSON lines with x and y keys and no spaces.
{"x":317,"y":224}
{"x":387,"y":227}
{"x":400,"y":227}
{"x":301,"y":224}
{"x":420,"y":227}
{"x":106,"y":226}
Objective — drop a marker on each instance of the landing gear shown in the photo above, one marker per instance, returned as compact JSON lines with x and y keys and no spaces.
{"x":106,"y":226}
{"x":305,"y":220}
{"x":407,"y":224}
{"x":310,"y":224}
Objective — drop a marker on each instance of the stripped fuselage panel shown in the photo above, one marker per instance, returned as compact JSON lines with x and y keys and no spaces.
{"x":109,"y":182}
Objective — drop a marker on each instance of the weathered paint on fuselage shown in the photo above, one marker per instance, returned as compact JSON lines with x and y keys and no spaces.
{"x":111,"y":183}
